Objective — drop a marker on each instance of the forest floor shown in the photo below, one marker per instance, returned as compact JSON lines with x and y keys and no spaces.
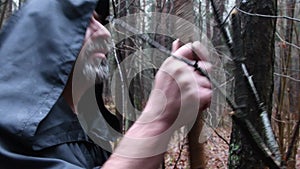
{"x":216,"y":152}
{"x":217,"y":149}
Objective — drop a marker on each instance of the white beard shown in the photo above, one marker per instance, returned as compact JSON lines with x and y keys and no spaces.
{"x":96,"y":71}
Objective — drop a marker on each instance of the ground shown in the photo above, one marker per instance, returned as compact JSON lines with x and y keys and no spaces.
{"x":217,"y":149}
{"x":216,"y":152}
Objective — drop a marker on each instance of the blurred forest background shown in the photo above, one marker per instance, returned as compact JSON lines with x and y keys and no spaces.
{"x":265,"y":36}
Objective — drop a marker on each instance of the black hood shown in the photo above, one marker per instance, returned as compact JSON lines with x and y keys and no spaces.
{"x":38,"y":47}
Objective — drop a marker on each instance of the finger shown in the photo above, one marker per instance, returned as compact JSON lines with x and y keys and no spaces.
{"x":175,"y":45}
{"x":200,"y":50}
{"x":204,"y":66}
{"x":205,"y":99}
{"x":185,"y":51}
{"x":204,"y":82}
{"x":193,"y":51}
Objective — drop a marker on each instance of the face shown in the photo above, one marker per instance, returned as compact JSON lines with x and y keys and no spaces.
{"x":92,"y":56}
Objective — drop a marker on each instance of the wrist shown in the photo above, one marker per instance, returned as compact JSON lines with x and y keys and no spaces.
{"x":147,"y":137}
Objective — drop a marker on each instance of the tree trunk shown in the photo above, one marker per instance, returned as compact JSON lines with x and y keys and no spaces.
{"x":256,"y":50}
{"x":184,"y":9}
{"x":216,"y":38}
{"x":207,"y":10}
{"x":288,"y":85}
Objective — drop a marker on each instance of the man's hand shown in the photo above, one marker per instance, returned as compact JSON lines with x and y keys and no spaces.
{"x":179,"y":91}
{"x":179,"y":94}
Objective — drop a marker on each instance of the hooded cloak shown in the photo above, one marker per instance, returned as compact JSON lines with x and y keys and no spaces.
{"x":39,"y":46}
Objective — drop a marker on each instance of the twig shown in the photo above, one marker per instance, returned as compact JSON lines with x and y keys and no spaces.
{"x":286,"y":42}
{"x":114,"y":8}
{"x":292,"y":144}
{"x":125,"y":7}
{"x":227,"y":17}
{"x":221,"y":137}
{"x":215,"y":131}
{"x":180,"y":152}
{"x":267,"y":16}
{"x":289,"y":77}
{"x":223,"y":30}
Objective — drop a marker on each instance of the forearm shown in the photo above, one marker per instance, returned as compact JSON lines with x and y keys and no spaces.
{"x":136,"y":151}
{"x":116,"y":162}
{"x":144,"y":144}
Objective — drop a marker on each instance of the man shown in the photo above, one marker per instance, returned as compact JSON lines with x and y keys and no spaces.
{"x":38,"y":125}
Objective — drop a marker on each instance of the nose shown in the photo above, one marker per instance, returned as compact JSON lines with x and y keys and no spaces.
{"x":96,"y":30}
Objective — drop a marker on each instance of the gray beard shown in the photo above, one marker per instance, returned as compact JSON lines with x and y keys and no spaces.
{"x":97,"y":71}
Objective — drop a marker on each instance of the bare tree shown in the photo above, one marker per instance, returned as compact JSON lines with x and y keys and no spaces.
{"x":254,"y":45}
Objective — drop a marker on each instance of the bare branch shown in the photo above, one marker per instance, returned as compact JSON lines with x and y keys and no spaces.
{"x":286,"y":42}
{"x":268,"y":16}
{"x":289,"y":77}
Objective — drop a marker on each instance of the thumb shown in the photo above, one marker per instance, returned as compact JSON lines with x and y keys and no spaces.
{"x":175,"y":45}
